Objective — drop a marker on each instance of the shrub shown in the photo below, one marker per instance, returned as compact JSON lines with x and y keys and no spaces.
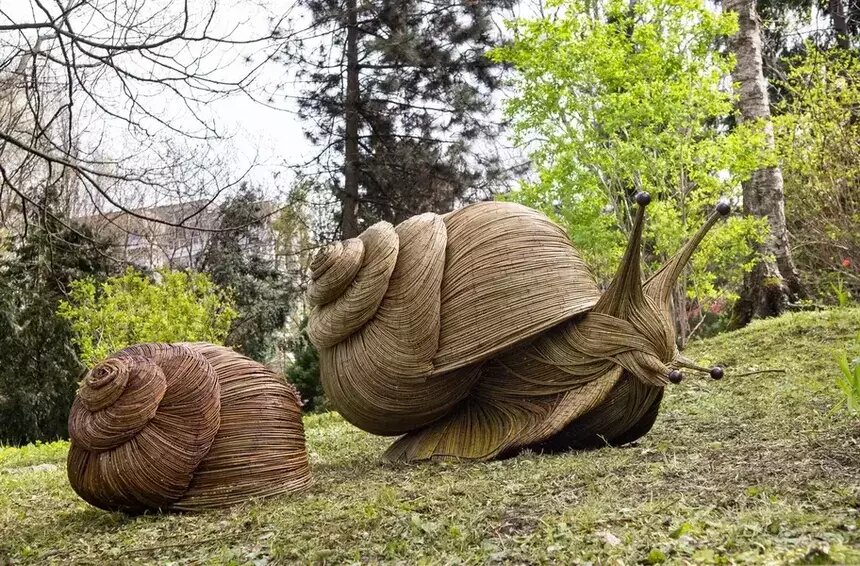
{"x":39,"y":370}
{"x":174,"y":306}
{"x":817,"y":135}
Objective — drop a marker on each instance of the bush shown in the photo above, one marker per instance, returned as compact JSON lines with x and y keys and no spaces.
{"x":175,"y":306}
{"x":818,"y":139}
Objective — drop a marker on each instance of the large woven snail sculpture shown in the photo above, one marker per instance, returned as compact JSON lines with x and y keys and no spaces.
{"x":480,"y":333}
{"x":184,"y":427}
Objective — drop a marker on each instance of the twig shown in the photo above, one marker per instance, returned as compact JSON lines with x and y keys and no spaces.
{"x":757,"y":371}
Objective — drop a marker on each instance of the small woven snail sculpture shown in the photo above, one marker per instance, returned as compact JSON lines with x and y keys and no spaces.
{"x":184,"y":427}
{"x":480,"y":333}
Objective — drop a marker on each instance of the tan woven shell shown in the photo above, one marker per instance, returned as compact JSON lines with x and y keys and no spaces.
{"x":482,"y":332}
{"x":184,"y":427}
{"x":403,"y":315}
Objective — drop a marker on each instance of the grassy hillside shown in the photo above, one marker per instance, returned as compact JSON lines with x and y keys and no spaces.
{"x":749,"y":469}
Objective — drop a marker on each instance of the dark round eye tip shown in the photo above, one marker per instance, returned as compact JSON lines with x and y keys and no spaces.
{"x":717,"y":372}
{"x":643,"y":198}
{"x":723,"y":207}
{"x":675,"y":376}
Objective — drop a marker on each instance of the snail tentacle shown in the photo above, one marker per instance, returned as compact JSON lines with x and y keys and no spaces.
{"x":490,"y":336}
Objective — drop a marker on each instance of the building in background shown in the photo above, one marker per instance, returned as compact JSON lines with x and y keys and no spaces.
{"x":178,"y":241}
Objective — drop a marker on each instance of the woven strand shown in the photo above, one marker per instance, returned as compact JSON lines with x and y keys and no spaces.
{"x":489,"y":335}
{"x":188,"y":427}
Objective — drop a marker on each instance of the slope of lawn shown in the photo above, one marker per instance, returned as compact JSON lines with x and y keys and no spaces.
{"x":754,"y":469}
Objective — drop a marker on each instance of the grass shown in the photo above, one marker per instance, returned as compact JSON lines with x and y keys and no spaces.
{"x":753,"y":469}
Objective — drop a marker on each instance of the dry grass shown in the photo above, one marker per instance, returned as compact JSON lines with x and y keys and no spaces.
{"x":754,"y":469}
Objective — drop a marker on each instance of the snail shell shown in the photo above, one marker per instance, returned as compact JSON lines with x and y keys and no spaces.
{"x":482,"y":332}
{"x":184,"y":427}
{"x":403,"y":316}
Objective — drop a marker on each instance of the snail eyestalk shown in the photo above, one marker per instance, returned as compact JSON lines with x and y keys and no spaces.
{"x":659,"y":286}
{"x":715,"y":372}
{"x":675,"y":376}
{"x":625,"y":291}
{"x":687,"y":363}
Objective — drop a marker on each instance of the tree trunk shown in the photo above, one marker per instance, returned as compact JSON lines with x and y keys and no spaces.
{"x":840,"y":23}
{"x":774,"y":281}
{"x":349,"y":197}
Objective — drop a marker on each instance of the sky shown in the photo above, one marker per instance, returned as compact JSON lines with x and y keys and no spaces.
{"x":271,"y":132}
{"x":270,"y":136}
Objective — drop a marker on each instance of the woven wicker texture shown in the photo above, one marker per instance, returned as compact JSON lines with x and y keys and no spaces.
{"x":482,"y":332}
{"x":184,"y":427}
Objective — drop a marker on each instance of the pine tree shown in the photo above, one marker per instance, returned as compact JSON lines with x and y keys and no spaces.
{"x":304,"y":372}
{"x":399,"y":100}
{"x":39,"y":369}
{"x":237,"y":260}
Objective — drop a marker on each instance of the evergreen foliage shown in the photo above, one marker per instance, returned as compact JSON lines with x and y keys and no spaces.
{"x":237,"y":260}
{"x":424,"y":102}
{"x":39,"y":368}
{"x":304,"y":372}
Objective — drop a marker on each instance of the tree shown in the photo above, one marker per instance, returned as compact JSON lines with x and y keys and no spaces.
{"x":304,"y":370}
{"x":783,"y":18}
{"x":104,"y":102}
{"x":241,"y":258}
{"x":790,"y":27}
{"x":178,"y":306}
{"x":817,"y":131}
{"x":774,"y":280}
{"x":617,"y":98}
{"x":412,"y":130}
{"x":39,"y":369}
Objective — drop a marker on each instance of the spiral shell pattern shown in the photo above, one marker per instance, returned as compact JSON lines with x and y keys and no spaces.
{"x":403,"y":343}
{"x":482,"y":332}
{"x":162,"y":426}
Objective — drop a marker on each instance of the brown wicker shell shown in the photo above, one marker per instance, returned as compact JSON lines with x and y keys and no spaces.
{"x":401,"y":328}
{"x":184,"y":427}
{"x":482,"y":332}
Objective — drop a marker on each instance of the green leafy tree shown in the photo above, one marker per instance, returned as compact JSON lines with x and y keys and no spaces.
{"x":616,"y":97}
{"x":175,"y":306}
{"x":39,"y":369}
{"x":818,"y":140}
{"x":241,"y":258}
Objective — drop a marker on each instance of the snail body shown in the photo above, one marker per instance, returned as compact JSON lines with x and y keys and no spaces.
{"x":482,"y":332}
{"x":184,"y":427}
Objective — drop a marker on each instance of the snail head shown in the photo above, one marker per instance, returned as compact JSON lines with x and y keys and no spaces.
{"x":640,"y":315}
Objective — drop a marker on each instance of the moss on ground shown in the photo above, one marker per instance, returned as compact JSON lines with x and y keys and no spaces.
{"x":752,"y":469}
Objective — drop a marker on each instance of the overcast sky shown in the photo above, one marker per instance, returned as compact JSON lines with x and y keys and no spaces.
{"x":269,"y":135}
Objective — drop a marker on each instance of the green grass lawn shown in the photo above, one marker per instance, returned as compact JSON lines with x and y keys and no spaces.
{"x":751,"y":469}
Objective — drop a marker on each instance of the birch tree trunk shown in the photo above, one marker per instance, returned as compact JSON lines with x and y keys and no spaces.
{"x":770,"y":286}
